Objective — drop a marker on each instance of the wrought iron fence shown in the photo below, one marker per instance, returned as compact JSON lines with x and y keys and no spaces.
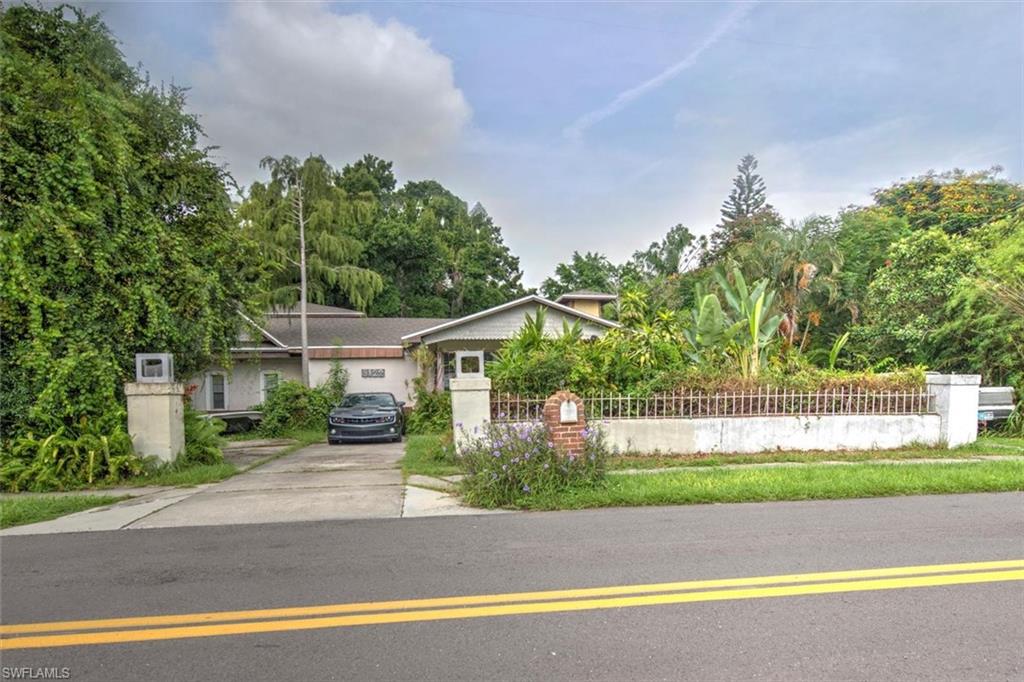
{"x":764,"y":402}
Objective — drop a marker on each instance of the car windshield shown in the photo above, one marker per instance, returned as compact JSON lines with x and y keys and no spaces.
{"x":368,"y":400}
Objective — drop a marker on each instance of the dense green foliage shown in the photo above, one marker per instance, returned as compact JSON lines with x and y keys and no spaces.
{"x":116,"y":231}
{"x":931,"y":275}
{"x":68,"y":459}
{"x":509,"y":463}
{"x":292,"y":406}
{"x":437,"y":257}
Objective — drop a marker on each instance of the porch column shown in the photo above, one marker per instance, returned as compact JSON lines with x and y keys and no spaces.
{"x":956,"y":401}
{"x":471,"y":407}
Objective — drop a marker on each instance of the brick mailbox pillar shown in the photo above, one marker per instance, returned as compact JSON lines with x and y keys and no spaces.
{"x":565,"y":421}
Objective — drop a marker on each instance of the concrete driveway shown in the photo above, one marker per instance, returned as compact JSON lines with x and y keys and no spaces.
{"x":315,"y":483}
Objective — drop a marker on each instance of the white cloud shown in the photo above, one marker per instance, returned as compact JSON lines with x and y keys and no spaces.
{"x":575,"y":130}
{"x":295,"y":78}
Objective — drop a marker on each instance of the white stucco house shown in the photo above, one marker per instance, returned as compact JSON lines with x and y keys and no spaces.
{"x":376,"y":351}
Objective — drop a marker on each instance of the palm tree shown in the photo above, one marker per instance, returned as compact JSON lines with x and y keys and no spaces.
{"x":802,"y":262}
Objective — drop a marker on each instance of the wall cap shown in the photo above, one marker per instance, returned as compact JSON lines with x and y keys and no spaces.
{"x":469,"y":384}
{"x":952,"y":379}
{"x":134,"y":388}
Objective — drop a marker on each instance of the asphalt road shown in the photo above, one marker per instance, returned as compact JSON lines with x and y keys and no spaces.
{"x":946,"y":632}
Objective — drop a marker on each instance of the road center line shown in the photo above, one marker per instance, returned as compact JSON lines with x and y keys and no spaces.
{"x":485,"y":599}
{"x":402,"y":616}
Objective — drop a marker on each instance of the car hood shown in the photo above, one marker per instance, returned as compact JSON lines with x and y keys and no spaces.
{"x":362,"y":411}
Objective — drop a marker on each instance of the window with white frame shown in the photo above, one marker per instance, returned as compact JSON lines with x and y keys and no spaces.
{"x":268,"y":382}
{"x":217,"y":385}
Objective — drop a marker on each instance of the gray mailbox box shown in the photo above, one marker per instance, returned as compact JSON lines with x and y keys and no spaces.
{"x":154,"y":368}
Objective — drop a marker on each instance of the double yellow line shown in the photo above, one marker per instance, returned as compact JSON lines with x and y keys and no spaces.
{"x":218,"y":623}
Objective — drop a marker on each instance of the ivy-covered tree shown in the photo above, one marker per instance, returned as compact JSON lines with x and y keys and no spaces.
{"x":116,"y":232}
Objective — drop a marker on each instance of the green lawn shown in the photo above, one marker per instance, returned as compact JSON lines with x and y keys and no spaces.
{"x":987,"y":445}
{"x":185,"y":476}
{"x":426,"y":454}
{"x":813,"y":482}
{"x":17,"y":511}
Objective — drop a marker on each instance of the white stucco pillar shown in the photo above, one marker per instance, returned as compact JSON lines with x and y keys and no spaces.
{"x":471,"y":406}
{"x":156,"y":419}
{"x":956,"y":401}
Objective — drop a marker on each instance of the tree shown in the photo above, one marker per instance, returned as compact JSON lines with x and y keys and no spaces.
{"x":747,"y":197}
{"x":863,"y":238}
{"x":673,"y":255}
{"x":369,"y":174}
{"x":462,"y":264}
{"x":116,"y":232}
{"x":589,"y":271}
{"x":906,"y":300}
{"x":304,"y":221}
{"x":802,"y":263}
{"x":954,"y":201}
{"x":744,"y":212}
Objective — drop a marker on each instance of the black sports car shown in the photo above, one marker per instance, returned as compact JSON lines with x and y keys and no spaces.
{"x":366,"y":416}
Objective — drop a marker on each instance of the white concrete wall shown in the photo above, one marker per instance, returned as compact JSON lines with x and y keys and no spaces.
{"x":759,"y":434}
{"x":956,"y":401}
{"x":471,"y":407}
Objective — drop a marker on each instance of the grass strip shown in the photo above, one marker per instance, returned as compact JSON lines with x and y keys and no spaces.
{"x":821,"y":482}
{"x":426,"y":455}
{"x":17,"y":511}
{"x":984,"y":446}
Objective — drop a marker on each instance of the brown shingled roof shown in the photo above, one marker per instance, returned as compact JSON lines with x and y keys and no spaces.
{"x":348,"y":331}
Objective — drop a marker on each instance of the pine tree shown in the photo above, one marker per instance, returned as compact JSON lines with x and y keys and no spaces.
{"x":743,"y":213}
{"x":747,"y":197}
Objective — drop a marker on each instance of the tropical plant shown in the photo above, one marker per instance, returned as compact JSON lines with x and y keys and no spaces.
{"x":751,"y":307}
{"x":203,"y":439}
{"x":66,"y":459}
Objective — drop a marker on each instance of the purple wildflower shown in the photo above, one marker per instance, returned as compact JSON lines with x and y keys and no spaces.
{"x":526,"y":488}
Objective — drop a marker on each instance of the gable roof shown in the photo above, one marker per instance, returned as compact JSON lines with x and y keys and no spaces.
{"x":586,"y":295}
{"x":533,"y":298}
{"x":314,"y":310}
{"x":346,"y":331}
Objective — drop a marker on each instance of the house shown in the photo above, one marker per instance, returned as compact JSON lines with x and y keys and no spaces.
{"x":377,"y":352}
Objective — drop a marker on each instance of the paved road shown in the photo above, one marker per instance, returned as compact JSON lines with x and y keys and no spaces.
{"x":945,"y":632}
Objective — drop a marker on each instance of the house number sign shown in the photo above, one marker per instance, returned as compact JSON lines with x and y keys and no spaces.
{"x":568,"y":412}
{"x":373,"y":373}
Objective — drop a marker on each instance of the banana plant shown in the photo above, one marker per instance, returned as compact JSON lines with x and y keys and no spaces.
{"x":708,"y":329}
{"x":752,"y":308}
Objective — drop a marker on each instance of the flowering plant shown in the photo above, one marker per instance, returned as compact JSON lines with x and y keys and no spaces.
{"x":507,"y":462}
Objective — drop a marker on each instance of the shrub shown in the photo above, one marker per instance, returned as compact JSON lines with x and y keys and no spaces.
{"x":432,"y":414}
{"x":202,"y":439}
{"x":293,"y":406}
{"x":509,"y":462}
{"x":65,"y":460}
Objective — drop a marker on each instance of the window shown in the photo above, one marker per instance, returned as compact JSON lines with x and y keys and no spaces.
{"x":268,"y":382}
{"x":448,"y":366}
{"x":218,"y":391}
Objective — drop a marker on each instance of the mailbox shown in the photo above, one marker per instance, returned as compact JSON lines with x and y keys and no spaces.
{"x":154,"y":368}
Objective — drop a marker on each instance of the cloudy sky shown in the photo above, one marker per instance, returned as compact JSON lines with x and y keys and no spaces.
{"x":599,"y":126}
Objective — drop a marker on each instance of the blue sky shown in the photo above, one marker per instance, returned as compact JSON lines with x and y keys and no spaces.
{"x":599,"y":126}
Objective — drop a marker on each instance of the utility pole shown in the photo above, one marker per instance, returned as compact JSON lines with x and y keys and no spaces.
{"x":301,"y":219}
